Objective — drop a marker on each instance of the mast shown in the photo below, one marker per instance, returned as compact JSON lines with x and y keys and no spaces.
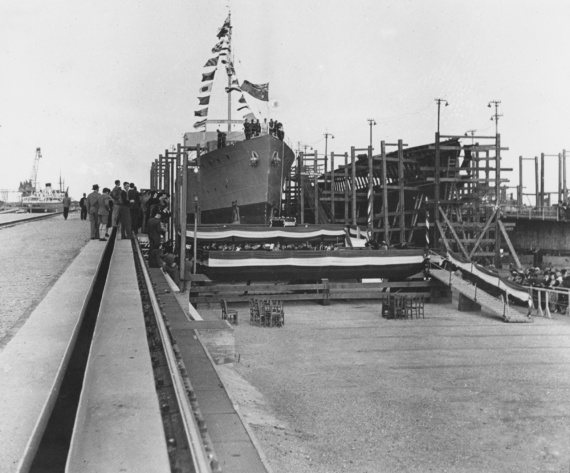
{"x":229,"y":71}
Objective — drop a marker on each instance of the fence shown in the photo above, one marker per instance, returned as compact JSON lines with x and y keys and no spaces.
{"x":545,"y":301}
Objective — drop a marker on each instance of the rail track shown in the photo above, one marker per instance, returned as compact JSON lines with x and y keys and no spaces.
{"x":112,"y":393}
{"x":13,"y":219}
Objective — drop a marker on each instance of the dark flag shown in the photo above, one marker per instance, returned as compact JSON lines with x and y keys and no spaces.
{"x":205,"y":88}
{"x":201,"y":113}
{"x":204,"y":100}
{"x":212,"y":62}
{"x":259,"y":91}
{"x":220,"y":46}
{"x":224,"y":30}
{"x":209,"y":76}
{"x":200,"y":123}
{"x":242,"y":99}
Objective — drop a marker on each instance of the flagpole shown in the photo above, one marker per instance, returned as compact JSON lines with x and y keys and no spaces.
{"x":229,"y":68}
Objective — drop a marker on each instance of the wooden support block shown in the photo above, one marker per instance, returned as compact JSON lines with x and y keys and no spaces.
{"x":467,"y":305}
{"x":326,"y":292}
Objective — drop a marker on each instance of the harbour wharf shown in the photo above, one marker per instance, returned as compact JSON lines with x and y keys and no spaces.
{"x":341,"y":388}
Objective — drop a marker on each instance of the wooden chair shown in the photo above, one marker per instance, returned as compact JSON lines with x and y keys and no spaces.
{"x":420,"y":302}
{"x":410,"y":307}
{"x":388,"y":307}
{"x":231,"y":315}
{"x":254,"y":312}
{"x":399,"y":307}
{"x":277,"y":316}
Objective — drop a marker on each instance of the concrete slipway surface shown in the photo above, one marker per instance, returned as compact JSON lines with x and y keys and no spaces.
{"x":340,"y":389}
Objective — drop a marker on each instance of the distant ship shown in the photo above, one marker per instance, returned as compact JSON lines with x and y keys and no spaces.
{"x":236,"y":179}
{"x":44,"y":201}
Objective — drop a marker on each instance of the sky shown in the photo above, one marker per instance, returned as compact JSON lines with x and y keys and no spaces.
{"x":103,"y":87}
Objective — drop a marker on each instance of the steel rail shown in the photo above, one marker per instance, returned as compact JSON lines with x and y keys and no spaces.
{"x":199,"y":455}
{"x":30,"y":219}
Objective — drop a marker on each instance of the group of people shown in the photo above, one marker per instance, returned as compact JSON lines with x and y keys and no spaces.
{"x":276,"y":129}
{"x":252,"y":128}
{"x":550,"y":278}
{"x":123,"y":206}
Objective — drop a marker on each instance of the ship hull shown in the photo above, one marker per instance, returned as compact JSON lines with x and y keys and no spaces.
{"x":249,"y":172}
{"x":311,"y":265}
{"x":43,"y":207}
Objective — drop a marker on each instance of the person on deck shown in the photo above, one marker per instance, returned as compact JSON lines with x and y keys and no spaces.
{"x":256,"y":128}
{"x":247,"y":129}
{"x":279,"y":130}
{"x":235,"y":212}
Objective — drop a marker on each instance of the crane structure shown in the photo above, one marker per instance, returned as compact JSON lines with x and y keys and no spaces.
{"x":34,"y":177}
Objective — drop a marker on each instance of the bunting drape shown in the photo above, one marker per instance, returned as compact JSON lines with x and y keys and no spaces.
{"x":221,"y":55}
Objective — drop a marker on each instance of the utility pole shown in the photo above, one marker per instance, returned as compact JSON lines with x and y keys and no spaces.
{"x":327,"y":134}
{"x":371,"y":122}
{"x":438,"y":101}
{"x":496,"y":116}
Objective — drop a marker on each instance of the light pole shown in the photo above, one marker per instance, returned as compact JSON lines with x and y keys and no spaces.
{"x":371,"y":122}
{"x":195,"y":233}
{"x":496,"y":116}
{"x":438,"y":101}
{"x":327,"y":134}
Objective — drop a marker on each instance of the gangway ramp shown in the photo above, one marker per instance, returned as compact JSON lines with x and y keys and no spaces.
{"x":491,"y":304}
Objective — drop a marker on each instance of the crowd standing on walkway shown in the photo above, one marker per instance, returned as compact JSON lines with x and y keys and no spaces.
{"x":131,"y":212}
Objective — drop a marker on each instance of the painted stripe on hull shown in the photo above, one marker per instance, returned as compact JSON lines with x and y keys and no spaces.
{"x":289,"y":273}
{"x":318,"y":262}
{"x":265,"y":234}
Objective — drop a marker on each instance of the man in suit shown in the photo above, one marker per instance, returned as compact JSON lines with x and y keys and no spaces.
{"x":92,"y":210}
{"x":116,"y":196}
{"x":134,"y":206}
{"x":155,"y":231}
{"x":103,"y":212}
{"x":83,"y":205}
{"x":125,"y":213}
{"x":66,"y":205}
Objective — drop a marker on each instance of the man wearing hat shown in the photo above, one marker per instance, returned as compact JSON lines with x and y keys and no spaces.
{"x":92,"y":210}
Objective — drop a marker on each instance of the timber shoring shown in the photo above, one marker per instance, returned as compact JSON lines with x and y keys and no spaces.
{"x":323,"y":291}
